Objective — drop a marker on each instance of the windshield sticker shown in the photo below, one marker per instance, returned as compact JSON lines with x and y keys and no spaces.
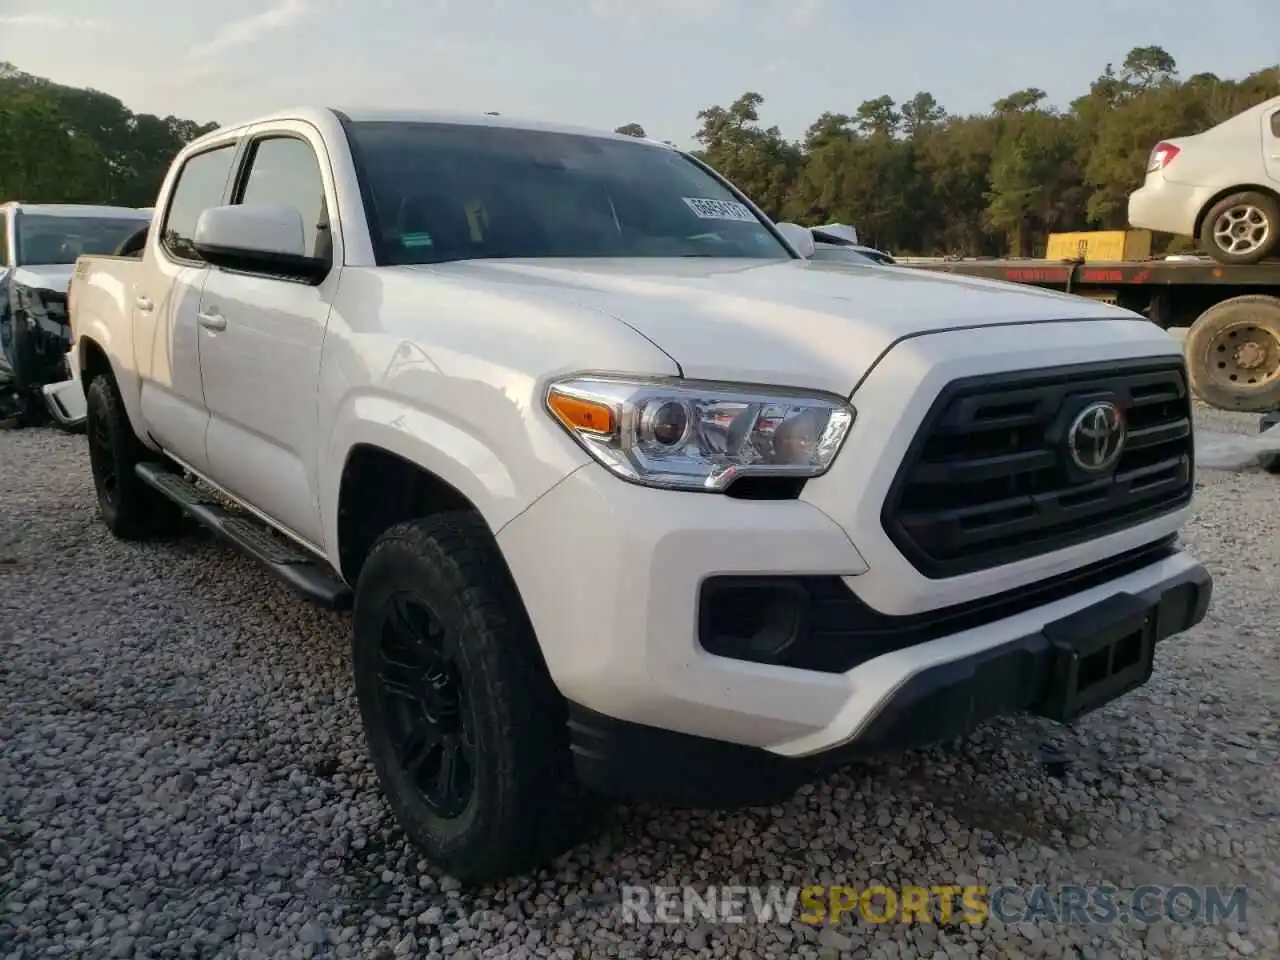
{"x":708,"y":209}
{"x":416,"y":239}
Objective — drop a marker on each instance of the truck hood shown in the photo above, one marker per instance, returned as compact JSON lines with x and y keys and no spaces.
{"x":811,"y":324}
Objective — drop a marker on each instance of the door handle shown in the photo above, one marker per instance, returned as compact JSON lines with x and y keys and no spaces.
{"x":212,"y":321}
{"x":144,"y":304}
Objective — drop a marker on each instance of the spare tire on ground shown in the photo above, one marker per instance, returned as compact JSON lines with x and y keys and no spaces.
{"x":1233,"y":354}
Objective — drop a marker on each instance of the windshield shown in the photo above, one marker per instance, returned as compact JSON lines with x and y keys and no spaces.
{"x":443,"y":191}
{"x":44,"y":240}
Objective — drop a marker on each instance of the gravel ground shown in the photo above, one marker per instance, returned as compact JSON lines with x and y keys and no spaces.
{"x":182,"y":775}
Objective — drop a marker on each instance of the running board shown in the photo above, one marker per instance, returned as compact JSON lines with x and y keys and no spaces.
{"x":307,"y":574}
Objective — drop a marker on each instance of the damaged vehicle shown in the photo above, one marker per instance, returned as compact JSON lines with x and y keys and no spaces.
{"x":39,"y":244}
{"x":833,"y":242}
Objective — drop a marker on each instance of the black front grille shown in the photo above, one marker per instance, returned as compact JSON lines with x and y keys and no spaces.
{"x":988,"y":481}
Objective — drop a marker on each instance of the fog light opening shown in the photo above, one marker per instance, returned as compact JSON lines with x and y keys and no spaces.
{"x":755,"y":621}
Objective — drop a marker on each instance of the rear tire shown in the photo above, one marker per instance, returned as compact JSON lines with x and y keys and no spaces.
{"x":130,"y":508}
{"x":466,"y":731}
{"x":1242,"y":228}
{"x":1233,"y":354}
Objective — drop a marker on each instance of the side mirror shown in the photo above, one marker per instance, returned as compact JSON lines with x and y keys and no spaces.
{"x":799,"y":237}
{"x":258,"y":238}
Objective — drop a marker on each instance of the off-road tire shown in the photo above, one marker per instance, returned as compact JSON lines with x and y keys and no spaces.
{"x":525,"y":806}
{"x":1270,"y":209}
{"x":1208,"y":348}
{"x":130,"y":508}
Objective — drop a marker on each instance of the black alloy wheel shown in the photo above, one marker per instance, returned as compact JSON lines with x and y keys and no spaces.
{"x":428,"y":715}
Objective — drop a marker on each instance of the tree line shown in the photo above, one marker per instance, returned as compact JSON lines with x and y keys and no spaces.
{"x":913,"y":178}
{"x":916,"y":179}
{"x":61,"y":144}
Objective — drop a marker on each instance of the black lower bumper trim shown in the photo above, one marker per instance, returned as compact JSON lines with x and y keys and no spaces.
{"x":636,"y":762}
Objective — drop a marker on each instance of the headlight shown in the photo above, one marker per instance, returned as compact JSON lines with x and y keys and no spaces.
{"x":699,"y":436}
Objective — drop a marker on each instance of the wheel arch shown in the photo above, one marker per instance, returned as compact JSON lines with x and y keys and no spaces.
{"x":424,"y":459}
{"x":378,"y":489}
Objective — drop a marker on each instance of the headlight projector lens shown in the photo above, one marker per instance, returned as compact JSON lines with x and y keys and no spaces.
{"x":665,"y":423}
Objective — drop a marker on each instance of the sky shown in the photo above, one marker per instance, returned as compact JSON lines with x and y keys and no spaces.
{"x":603,"y":63}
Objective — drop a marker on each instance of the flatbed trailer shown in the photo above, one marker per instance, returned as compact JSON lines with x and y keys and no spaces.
{"x":1232,"y":345}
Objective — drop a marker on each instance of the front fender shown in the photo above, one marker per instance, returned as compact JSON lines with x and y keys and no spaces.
{"x":500,"y":480}
{"x":450,"y":375}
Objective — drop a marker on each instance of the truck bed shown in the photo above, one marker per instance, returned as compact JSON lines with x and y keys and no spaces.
{"x":103,"y":289}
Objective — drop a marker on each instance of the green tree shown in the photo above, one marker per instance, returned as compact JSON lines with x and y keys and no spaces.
{"x":1020,"y":101}
{"x":1146,"y":67}
{"x":878,"y":116}
{"x":1032,"y":176}
{"x":40,"y":159}
{"x":921,"y":114}
{"x":104,"y":153}
{"x":755,"y":159}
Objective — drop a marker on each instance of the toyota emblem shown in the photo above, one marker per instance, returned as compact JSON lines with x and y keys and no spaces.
{"x":1096,"y":438}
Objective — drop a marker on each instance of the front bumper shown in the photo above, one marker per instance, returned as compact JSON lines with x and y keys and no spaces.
{"x":611,"y":576}
{"x":65,"y":399}
{"x":65,"y":402}
{"x":941,"y":702}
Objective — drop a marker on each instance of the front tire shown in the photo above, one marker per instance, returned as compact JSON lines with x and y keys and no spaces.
{"x":464,"y":726}
{"x":130,"y":508}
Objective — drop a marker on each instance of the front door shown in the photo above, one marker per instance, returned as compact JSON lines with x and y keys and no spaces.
{"x":261,"y":339}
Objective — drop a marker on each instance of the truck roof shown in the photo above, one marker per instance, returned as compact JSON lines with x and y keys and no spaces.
{"x":357,"y":113}
{"x":77,"y":210}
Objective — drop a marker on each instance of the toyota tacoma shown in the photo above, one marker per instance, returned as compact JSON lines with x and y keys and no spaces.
{"x":628,"y":498}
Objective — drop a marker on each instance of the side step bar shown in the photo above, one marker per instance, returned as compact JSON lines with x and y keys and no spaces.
{"x":307,"y":574}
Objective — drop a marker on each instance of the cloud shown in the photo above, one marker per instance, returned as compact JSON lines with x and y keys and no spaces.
{"x":698,"y":11}
{"x":239,"y":33}
{"x":804,"y":12}
{"x":41,"y":21}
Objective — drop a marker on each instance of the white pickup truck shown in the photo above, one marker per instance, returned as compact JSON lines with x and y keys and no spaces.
{"x":626,"y":494}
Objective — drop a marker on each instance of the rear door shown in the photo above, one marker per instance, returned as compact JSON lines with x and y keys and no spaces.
{"x":1271,"y":142}
{"x":165,"y":304}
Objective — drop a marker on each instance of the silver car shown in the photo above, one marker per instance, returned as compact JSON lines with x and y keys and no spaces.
{"x":1221,"y":187}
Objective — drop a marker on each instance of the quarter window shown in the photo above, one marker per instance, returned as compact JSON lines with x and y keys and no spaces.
{"x":284,"y":170}
{"x":201,"y":184}
{"x":1275,"y":124}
